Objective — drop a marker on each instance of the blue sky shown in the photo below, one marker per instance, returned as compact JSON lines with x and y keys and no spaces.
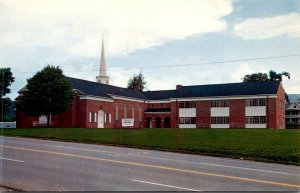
{"x":143,"y":35}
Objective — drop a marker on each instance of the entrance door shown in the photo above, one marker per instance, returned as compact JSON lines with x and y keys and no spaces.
{"x":100,"y":119}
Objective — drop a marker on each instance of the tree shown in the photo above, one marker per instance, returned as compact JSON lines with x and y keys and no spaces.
{"x":278,"y":76}
{"x":6,"y":79}
{"x":273,"y":76}
{"x":137,"y":82}
{"x":9,"y":113}
{"x":47,"y":93}
{"x":255,"y":77}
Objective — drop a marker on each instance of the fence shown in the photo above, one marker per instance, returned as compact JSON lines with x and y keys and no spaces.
{"x":7,"y":124}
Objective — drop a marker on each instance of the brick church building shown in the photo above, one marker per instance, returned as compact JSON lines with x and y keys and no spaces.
{"x":234,"y":105}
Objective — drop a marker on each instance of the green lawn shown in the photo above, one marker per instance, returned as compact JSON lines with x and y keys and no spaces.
{"x":282,"y":146}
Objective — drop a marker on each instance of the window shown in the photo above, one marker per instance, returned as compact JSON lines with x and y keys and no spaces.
{"x":107,"y":118}
{"x":92,"y":117}
{"x":255,"y":102}
{"x":219,"y":120}
{"x":187,"y":120}
{"x":256,"y":120}
{"x":187,"y":104}
{"x":219,"y":103}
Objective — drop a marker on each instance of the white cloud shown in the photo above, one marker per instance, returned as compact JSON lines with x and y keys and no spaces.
{"x":76,"y":25}
{"x":240,"y":72}
{"x":263,"y":28}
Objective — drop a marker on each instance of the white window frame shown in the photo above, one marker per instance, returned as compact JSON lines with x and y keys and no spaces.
{"x":90,"y":117}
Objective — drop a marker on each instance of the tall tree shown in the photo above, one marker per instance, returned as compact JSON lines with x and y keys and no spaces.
{"x":278,"y":76}
{"x":137,"y":82}
{"x":272,"y":76}
{"x":47,"y":93}
{"x":255,"y":77}
{"x":6,"y":79}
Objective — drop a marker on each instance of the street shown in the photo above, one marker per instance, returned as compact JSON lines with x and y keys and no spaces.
{"x":42,"y":165}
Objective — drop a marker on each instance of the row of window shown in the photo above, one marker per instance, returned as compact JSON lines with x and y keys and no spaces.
{"x":224,"y":120}
{"x":93,"y":119}
{"x":187,"y":120}
{"x":256,"y":120}
{"x":224,"y":103}
{"x":187,"y":104}
{"x":219,"y":104}
{"x":219,"y":120}
{"x":255,"y":102}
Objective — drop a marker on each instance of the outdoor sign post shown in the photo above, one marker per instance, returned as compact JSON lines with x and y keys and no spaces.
{"x":127,"y":122}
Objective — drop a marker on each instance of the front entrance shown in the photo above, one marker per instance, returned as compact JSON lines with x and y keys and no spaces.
{"x":148,"y":122}
{"x":158,"y":122}
{"x":100,"y":119}
{"x":167,"y":122}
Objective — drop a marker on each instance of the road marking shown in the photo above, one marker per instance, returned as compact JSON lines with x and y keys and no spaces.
{"x":244,"y":168}
{"x":165,"y":185}
{"x":158,"y":167}
{"x":15,"y":160}
{"x":153,"y":157}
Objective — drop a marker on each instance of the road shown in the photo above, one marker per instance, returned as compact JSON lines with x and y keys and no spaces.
{"x":42,"y":165}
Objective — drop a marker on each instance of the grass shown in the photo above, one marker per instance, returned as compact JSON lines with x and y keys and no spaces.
{"x":281,"y":146}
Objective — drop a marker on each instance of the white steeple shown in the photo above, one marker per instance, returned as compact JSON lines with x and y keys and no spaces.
{"x":102,"y":78}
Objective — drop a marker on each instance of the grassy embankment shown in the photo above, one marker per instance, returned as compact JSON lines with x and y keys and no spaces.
{"x":281,"y":146}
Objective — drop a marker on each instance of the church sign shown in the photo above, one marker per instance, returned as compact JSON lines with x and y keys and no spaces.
{"x":127,"y":122}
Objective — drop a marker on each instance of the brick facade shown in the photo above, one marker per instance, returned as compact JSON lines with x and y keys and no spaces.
{"x":115,"y":109}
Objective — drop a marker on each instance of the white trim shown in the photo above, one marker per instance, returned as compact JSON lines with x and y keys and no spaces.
{"x":187,"y":112}
{"x":220,"y":126}
{"x":95,"y":98}
{"x":126,"y":98}
{"x":78,"y":91}
{"x":256,"y":126}
{"x":223,"y":98}
{"x":219,"y":111}
{"x":158,"y":101}
{"x":255,"y":111}
{"x":187,"y":126}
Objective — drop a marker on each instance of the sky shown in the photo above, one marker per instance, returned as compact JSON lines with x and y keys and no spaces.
{"x":187,"y":42}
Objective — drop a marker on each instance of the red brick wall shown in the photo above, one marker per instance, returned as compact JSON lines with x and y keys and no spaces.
{"x":281,"y":107}
{"x":271,"y":113}
{"x":158,"y":105}
{"x":174,"y":114}
{"x":237,"y":113}
{"x":23,"y":121}
{"x":203,"y":114}
{"x":276,"y":110}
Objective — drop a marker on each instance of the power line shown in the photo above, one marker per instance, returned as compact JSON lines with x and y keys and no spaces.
{"x":183,"y":65}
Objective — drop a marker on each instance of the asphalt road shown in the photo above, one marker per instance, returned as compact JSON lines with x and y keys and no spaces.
{"x":41,"y":165}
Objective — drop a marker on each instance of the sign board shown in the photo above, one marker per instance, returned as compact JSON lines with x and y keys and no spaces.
{"x":127,"y":122}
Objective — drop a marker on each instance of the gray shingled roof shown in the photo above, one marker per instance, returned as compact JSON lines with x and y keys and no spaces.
{"x":102,"y":90}
{"x":217,"y":90}
{"x":213,"y":90}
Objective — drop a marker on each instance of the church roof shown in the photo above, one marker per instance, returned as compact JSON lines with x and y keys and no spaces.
{"x":213,"y":90}
{"x":217,"y":90}
{"x":103,"y":90}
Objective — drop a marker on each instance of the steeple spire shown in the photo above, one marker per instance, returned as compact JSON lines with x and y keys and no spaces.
{"x":102,"y":78}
